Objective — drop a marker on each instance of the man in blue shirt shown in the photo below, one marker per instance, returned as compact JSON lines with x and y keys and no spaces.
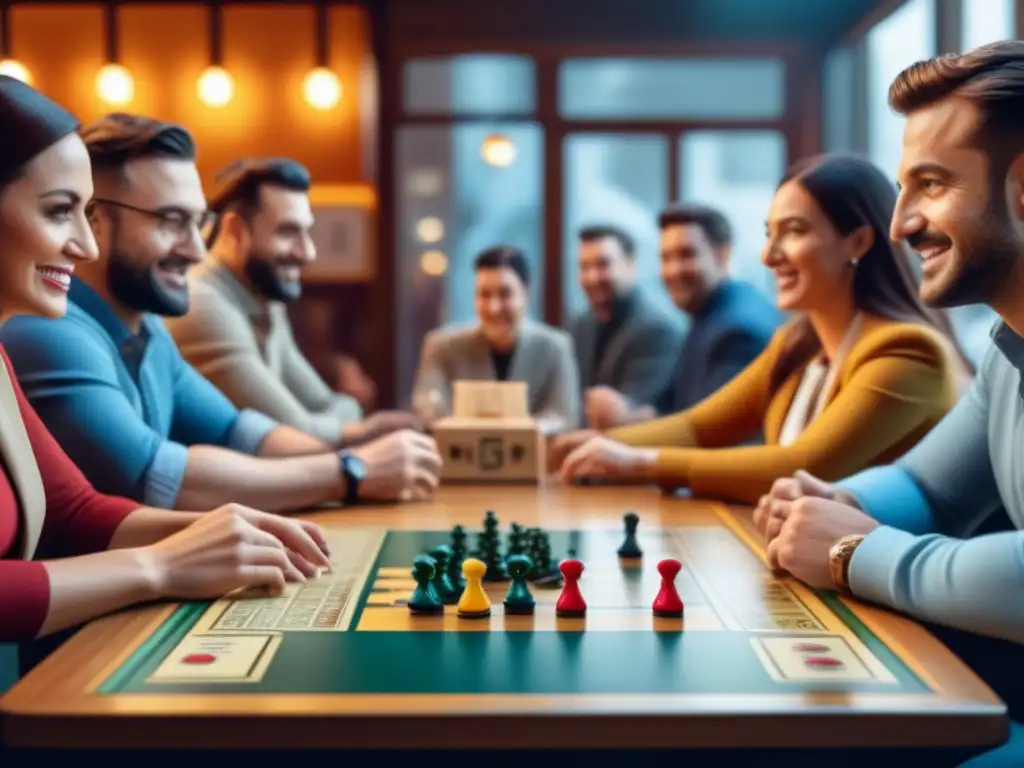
{"x":111,"y":386}
{"x":905,"y":535}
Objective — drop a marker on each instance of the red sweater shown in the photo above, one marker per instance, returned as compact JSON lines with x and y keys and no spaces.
{"x":79,"y":521}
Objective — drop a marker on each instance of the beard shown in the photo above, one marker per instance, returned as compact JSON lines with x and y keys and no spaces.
{"x":261,"y":270}
{"x":138,"y":287}
{"x":980,"y":261}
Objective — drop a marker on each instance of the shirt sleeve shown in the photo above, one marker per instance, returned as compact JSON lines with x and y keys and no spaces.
{"x":650,"y":368}
{"x":890,"y":396}
{"x":918,"y":562}
{"x":203,"y":415}
{"x":71,"y":381}
{"x":79,"y":521}
{"x":559,"y":408}
{"x":218,"y":342}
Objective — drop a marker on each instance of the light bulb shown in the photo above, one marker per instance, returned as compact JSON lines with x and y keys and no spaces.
{"x":17,"y":70}
{"x":215,"y":87}
{"x":322,"y":88}
{"x":498,"y":150}
{"x":434,"y":263}
{"x":115,"y":84}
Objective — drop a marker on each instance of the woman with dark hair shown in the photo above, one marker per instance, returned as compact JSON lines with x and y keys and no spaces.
{"x":67,"y":553}
{"x":860,"y":373}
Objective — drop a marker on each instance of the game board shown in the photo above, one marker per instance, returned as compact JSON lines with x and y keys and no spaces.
{"x":744,"y":630}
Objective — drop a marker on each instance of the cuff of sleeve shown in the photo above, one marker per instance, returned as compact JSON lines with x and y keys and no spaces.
{"x":348,"y":410}
{"x":874,"y":563}
{"x":163,"y":480}
{"x":24,"y":600}
{"x":890,"y":495}
{"x":674,"y":466}
{"x":250,"y":430}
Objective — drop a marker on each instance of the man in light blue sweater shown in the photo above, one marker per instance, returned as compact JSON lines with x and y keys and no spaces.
{"x":904,"y":535}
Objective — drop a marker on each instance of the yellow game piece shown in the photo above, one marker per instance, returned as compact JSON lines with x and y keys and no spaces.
{"x":474,"y":602}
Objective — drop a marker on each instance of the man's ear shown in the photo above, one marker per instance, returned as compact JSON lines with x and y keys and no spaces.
{"x":1014,"y":186}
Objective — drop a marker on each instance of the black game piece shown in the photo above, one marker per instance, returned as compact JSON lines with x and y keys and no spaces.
{"x":442,"y":554}
{"x":490,"y":549}
{"x":630,"y":548}
{"x":516,"y":540}
{"x":459,"y":553}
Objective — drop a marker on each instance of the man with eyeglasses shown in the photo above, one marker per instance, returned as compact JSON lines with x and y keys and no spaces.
{"x":112,"y":387}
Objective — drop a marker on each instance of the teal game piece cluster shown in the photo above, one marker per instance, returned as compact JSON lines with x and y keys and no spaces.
{"x":527,"y":558}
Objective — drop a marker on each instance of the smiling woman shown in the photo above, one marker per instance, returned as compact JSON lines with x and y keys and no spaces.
{"x":857,"y":377}
{"x":42,"y":217}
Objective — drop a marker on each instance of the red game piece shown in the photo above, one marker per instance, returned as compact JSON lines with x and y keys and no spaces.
{"x":571,"y":602}
{"x":200,"y":658}
{"x":668,"y":604}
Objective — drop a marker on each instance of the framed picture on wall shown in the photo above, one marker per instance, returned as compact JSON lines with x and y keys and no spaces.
{"x":343,"y":234}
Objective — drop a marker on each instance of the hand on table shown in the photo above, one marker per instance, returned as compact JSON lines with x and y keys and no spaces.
{"x":603,"y":457}
{"x":810,"y":526}
{"x":561,"y":446}
{"x":401,"y":466}
{"x":772,"y":507}
{"x":605,"y":408}
{"x":379,"y":424}
{"x":236,"y":547}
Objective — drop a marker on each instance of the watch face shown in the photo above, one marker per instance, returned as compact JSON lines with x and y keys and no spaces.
{"x":357,"y":467}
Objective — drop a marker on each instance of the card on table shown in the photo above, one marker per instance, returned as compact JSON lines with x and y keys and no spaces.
{"x":813,"y":658}
{"x":241,"y":658}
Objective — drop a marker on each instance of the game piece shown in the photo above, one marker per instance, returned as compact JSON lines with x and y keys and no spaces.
{"x":571,"y":602}
{"x":490,"y":549}
{"x":823,"y":662}
{"x":442,"y":581}
{"x":516,"y":540}
{"x":474,"y":602}
{"x":519,"y":600}
{"x":459,"y":553}
{"x":424,"y":598}
{"x":630,"y":548}
{"x":668,"y":604}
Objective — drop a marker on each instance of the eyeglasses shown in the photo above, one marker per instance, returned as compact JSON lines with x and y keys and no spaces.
{"x":176,"y":221}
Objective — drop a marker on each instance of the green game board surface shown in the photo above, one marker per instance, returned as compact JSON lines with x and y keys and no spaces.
{"x":499,"y":661}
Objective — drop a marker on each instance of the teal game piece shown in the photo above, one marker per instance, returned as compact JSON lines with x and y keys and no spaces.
{"x":490,"y":549}
{"x":459,"y":553}
{"x":442,"y":555}
{"x":519,"y":600}
{"x":424,"y":599}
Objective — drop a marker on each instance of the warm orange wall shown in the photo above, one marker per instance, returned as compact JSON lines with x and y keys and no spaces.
{"x":268,"y":50}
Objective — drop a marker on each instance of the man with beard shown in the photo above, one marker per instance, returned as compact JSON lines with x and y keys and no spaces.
{"x":626,"y":344}
{"x":731,"y":320}
{"x":111,"y":386}
{"x":237,"y":332}
{"x":907,"y":535}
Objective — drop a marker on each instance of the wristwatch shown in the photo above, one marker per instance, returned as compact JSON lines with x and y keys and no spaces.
{"x":353,"y":469}
{"x":839,"y":557}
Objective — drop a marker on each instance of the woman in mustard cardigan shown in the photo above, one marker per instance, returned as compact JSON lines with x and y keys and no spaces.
{"x":856,"y":378}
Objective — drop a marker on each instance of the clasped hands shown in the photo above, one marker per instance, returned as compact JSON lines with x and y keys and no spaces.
{"x":801,"y":517}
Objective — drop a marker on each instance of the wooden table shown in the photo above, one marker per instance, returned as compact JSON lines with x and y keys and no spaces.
{"x":708,"y":680}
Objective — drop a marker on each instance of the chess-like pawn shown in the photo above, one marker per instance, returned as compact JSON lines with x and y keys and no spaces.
{"x":518,"y":600}
{"x":668,"y":604}
{"x":424,"y":599}
{"x":474,"y":602}
{"x":630,"y":548}
{"x":442,"y":581}
{"x":571,"y":602}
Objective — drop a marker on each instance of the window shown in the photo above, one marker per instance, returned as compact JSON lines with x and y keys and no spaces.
{"x":838,"y":102}
{"x":985,"y":21}
{"x":452,"y":204}
{"x":614,"y":179}
{"x":908,"y":35}
{"x":646,"y":89}
{"x":738,"y":172}
{"x":471,"y":85}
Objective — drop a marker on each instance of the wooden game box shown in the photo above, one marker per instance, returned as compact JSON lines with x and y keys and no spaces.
{"x":490,"y":450}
